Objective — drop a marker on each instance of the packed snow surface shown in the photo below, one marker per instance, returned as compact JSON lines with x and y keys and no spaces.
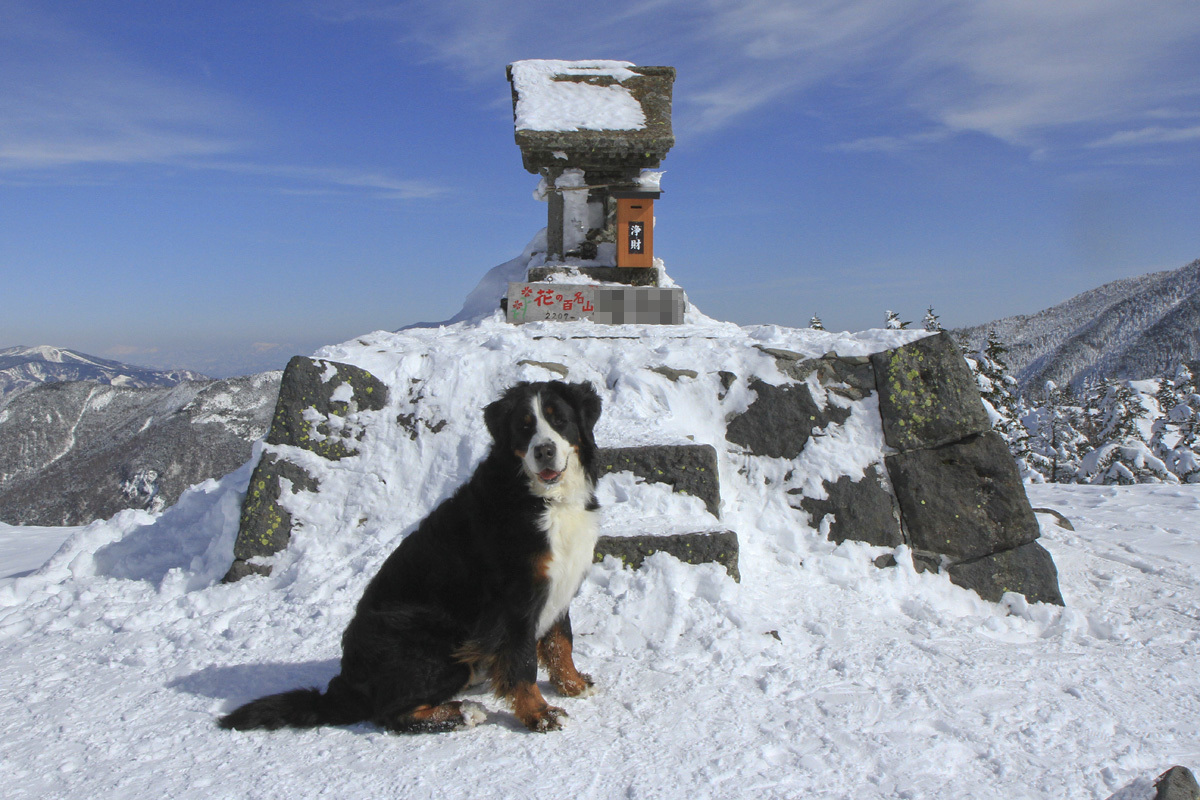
{"x":818,"y":675}
{"x":551,"y":96}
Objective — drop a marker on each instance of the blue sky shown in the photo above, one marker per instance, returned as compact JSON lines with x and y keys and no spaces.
{"x":219,"y":185}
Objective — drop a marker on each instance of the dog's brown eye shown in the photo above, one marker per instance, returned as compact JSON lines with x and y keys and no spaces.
{"x":528,"y":420}
{"x":549,"y":411}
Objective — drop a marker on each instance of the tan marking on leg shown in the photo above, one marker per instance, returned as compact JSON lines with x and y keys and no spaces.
{"x":432,"y":719}
{"x":541,"y":566}
{"x":446,"y":712}
{"x":555,"y":653}
{"x":532,"y":709}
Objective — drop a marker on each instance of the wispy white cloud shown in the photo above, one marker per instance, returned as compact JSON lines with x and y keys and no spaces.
{"x":1026,"y":72}
{"x":1029,"y":72}
{"x":1023,"y":71}
{"x":470,"y":37}
{"x":65,"y":101}
{"x":1151,"y":135}
{"x":890,"y":144}
{"x":68,"y":104}
{"x":329,"y":180}
{"x":1172,"y":114}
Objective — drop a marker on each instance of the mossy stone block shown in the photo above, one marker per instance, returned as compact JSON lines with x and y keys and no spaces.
{"x":307,"y":392}
{"x":927,"y":394}
{"x":963,"y":500}
{"x":310,"y":395}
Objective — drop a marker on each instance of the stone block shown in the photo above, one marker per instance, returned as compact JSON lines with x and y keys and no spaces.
{"x":309,"y":390}
{"x":630,"y":276}
{"x":718,"y":547}
{"x":864,"y":510}
{"x":265,"y":527}
{"x":1177,"y":783}
{"x":850,"y":376}
{"x":315,"y":398}
{"x":688,"y":469}
{"x":927,"y":394}
{"x":963,"y":500}
{"x":1027,"y":570}
{"x":780,"y":420}
{"x":673,"y":374}
{"x":608,"y":305}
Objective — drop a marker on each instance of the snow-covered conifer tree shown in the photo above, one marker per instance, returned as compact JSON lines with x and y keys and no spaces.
{"x":931,"y":323}
{"x":893,"y":321}
{"x":1001,"y":395}
{"x":816,"y":324}
{"x":1175,"y":432}
{"x":1054,"y":443}
{"x":1119,"y":452}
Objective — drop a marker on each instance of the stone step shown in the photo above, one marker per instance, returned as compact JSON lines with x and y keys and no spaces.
{"x":690,"y":469}
{"x":698,"y":547}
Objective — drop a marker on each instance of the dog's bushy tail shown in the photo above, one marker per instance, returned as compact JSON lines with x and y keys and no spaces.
{"x":300,"y":708}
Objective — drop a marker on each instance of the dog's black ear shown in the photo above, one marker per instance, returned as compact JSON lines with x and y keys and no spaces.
{"x":496,"y":415}
{"x":583,"y":396}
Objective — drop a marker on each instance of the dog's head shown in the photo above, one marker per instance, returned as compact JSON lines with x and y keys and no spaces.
{"x":548,"y":427}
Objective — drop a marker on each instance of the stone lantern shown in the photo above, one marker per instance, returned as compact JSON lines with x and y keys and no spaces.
{"x":595,"y":131}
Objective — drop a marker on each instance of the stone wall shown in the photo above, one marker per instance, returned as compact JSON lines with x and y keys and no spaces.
{"x":947,"y":486}
{"x":944,"y":484}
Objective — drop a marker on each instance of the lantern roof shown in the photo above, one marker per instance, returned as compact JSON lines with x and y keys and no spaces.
{"x":607,"y":115}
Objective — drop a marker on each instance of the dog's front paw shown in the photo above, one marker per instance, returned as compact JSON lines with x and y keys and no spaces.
{"x":547,"y":718}
{"x":578,"y":685}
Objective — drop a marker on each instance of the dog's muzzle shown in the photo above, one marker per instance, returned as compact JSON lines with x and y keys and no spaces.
{"x":545,"y":460}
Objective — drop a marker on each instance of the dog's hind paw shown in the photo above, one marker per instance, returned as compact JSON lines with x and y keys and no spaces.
{"x":452,"y":716}
{"x":472,"y":713}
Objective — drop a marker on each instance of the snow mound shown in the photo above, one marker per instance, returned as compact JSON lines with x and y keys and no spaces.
{"x":818,"y":675}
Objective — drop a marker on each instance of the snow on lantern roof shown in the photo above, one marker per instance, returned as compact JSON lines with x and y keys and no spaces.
{"x":591,"y":114}
{"x":574,"y":95}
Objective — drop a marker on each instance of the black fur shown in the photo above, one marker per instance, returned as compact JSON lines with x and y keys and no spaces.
{"x":460,"y":595}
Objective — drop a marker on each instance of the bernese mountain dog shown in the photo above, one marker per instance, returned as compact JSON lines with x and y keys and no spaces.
{"x":479,"y":591}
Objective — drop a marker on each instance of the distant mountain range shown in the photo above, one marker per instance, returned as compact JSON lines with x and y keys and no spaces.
{"x":82,"y":437}
{"x":76,"y":451}
{"x":1133,"y":328}
{"x":24,"y":367}
{"x":72,"y":451}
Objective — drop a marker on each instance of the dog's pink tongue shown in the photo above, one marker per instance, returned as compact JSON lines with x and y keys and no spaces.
{"x":548,"y":475}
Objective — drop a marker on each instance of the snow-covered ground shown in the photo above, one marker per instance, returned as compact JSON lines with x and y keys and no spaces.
{"x":817,"y":676}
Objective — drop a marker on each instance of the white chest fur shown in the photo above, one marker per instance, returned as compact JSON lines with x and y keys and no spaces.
{"x":572,"y":531}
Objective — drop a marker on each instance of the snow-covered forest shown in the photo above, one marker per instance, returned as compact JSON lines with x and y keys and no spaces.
{"x":1103,"y":431}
